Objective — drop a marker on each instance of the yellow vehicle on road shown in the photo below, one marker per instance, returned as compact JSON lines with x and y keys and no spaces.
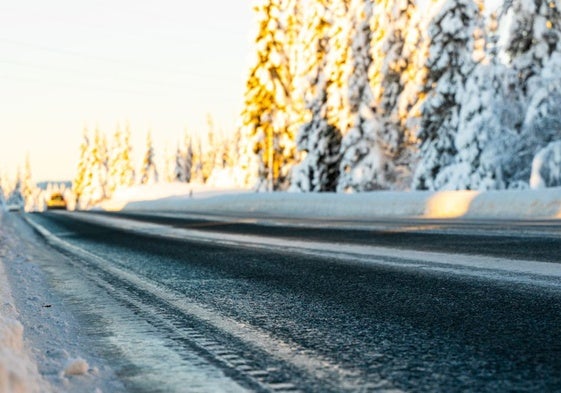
{"x":56,"y":201}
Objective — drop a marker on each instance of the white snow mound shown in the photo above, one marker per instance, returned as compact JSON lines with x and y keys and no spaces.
{"x":18,"y":372}
{"x":546,"y":167}
{"x":77,"y":366}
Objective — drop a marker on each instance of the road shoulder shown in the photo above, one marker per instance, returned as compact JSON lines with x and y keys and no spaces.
{"x":18,"y":368}
{"x":50,"y":332}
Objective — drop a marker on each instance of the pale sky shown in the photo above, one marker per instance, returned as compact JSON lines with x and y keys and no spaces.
{"x":160,"y":65}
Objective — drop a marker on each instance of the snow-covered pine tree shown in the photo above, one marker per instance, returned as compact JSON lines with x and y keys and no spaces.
{"x":222,"y":152}
{"x":104,"y":160}
{"x":532,"y":37}
{"x":449,"y":64}
{"x":169,"y":165}
{"x":267,"y":99}
{"x":2,"y":191}
{"x":362,"y":158}
{"x":149,"y":172}
{"x":179,"y":173}
{"x":320,"y":141}
{"x":91,"y":187}
{"x":396,"y":76}
{"x":209,"y":152}
{"x":113,"y":162}
{"x":95,"y":189}
{"x":188,"y":161}
{"x":415,"y":50}
{"x":541,"y":127}
{"x":126,"y":168}
{"x":246,"y":166}
{"x":197,"y":161}
{"x":121,"y":170}
{"x":546,"y":166}
{"x":532,"y":46}
{"x":488,"y":122}
{"x":248,"y":163}
{"x":486,"y":132}
{"x":81,"y":177}
{"x":235,"y":148}
{"x":338,"y":67}
{"x":2,"y":198}
{"x":295,"y":46}
{"x":27,"y":185}
{"x":15,"y":196}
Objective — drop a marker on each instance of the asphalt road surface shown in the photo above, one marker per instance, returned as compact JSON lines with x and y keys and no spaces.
{"x":238,"y":317}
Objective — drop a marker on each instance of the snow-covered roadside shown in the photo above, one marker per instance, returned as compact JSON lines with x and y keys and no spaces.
{"x":507,"y":204}
{"x":41,"y":345}
{"x":18,"y":369}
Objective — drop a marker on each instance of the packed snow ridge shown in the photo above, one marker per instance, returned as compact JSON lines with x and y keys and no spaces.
{"x":504,"y":204}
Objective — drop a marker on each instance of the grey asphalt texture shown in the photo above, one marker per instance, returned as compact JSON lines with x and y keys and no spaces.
{"x":415,"y":330}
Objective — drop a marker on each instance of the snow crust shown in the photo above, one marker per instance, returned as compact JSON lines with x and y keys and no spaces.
{"x":18,"y":370}
{"x":42,"y":345}
{"x":511,"y":204}
{"x":76,"y":366}
{"x":165,"y":194}
{"x":546,"y":167}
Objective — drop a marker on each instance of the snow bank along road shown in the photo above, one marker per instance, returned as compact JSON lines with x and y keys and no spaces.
{"x":503,"y":204}
{"x":234,"y":304}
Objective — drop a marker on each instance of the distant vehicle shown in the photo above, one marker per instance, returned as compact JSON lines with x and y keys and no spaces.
{"x":13,"y":207}
{"x":56,"y":201}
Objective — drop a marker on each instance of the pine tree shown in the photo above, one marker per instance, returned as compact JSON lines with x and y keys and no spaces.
{"x":486,"y":127}
{"x":121,"y":170}
{"x":293,"y":113}
{"x":197,"y":161}
{"x":533,"y":36}
{"x":2,"y":199}
{"x":396,"y":75}
{"x":126,"y":168}
{"x":236,"y":148}
{"x":15,"y":196}
{"x":179,"y":174}
{"x":338,"y":67}
{"x":488,"y":123}
{"x":225,"y":160}
{"x":95,"y":186}
{"x":541,"y":127}
{"x":449,"y":63}
{"x":27,"y":185}
{"x":2,"y":192}
{"x":245,"y":167}
{"x":102,"y":163}
{"x":188,"y":158}
{"x":266,"y":112}
{"x":546,"y":166}
{"x":320,"y":141}
{"x":149,"y":172}
{"x":532,"y":46}
{"x":362,"y":161}
{"x":81,"y":177}
{"x":413,"y":59}
{"x":209,"y":150}
{"x":182,"y":162}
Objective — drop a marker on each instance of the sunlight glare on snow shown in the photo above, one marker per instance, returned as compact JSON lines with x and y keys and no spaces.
{"x":449,"y":204}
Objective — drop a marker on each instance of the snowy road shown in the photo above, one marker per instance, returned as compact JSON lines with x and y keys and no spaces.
{"x":186,"y":304}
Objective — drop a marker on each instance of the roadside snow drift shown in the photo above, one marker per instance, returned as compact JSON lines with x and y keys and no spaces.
{"x":511,"y":204}
{"x":18,"y":372}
